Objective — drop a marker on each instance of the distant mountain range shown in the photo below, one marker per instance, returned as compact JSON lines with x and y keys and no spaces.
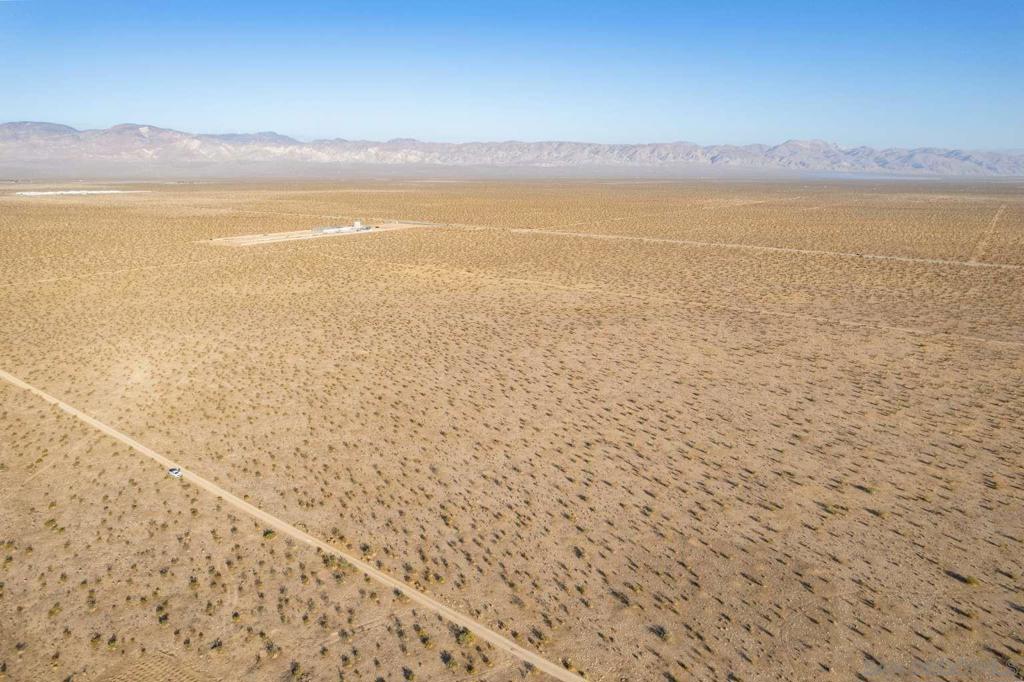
{"x":51,"y":143}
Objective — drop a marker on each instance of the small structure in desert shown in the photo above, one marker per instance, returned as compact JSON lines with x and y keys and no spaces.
{"x":356,"y":226}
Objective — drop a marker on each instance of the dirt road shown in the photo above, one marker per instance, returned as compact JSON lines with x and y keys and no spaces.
{"x":982,"y":245}
{"x":479,"y":629}
{"x":973,"y":263}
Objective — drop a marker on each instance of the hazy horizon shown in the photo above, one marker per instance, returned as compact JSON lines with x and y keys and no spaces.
{"x":913,"y":75}
{"x":306,"y":139}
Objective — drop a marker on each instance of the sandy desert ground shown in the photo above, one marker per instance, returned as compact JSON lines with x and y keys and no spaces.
{"x":646,"y":431}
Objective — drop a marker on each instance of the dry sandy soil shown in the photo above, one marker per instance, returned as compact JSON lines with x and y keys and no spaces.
{"x":649,"y":431}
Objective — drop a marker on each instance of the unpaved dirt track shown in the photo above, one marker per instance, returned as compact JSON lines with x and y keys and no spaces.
{"x":775,"y":249}
{"x":479,"y":629}
{"x":982,"y":245}
{"x":754,"y":247}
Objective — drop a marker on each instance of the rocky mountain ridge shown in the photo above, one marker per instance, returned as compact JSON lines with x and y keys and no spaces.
{"x":36,"y":142}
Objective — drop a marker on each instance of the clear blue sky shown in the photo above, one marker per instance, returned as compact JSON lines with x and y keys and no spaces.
{"x":902,"y":73}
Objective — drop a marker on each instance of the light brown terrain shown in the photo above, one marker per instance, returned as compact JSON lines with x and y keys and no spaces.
{"x":647,"y":431}
{"x":301,"y":235}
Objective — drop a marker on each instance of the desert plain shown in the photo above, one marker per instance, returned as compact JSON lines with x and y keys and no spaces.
{"x":670,"y":431}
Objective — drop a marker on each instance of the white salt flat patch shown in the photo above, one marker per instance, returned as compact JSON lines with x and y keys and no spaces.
{"x":81,"y":191}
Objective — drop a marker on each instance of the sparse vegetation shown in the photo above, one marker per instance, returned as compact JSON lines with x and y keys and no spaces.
{"x":637,"y":428}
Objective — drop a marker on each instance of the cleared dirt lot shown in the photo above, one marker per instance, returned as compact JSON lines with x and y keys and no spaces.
{"x":727,"y":443}
{"x":301,"y":235}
